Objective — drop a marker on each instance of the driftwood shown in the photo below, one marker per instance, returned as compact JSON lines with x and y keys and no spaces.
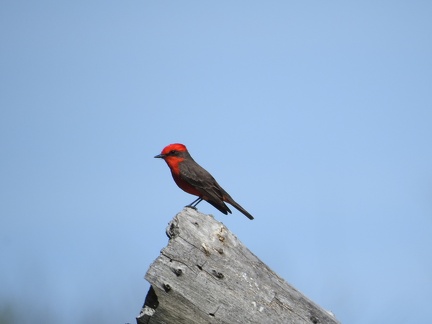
{"x":206,"y":275}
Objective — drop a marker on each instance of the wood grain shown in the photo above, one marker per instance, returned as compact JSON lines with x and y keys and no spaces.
{"x":206,"y":275}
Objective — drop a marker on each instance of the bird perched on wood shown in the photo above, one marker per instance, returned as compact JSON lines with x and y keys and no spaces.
{"x":194,"y":179}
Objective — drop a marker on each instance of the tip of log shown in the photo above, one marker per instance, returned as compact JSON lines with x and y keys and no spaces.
{"x":206,"y":275}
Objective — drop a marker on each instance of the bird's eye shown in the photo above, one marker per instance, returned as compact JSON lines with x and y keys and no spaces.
{"x":172,"y":152}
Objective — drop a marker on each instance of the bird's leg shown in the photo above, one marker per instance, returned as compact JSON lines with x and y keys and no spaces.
{"x":194,"y":203}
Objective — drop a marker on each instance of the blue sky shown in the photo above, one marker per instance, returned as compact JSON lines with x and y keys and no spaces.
{"x":315,"y":116}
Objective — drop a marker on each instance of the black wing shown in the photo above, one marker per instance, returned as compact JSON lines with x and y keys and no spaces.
{"x":203,"y":181}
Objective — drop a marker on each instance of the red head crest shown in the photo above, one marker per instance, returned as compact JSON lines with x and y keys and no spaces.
{"x":174,"y":147}
{"x":174,"y":154}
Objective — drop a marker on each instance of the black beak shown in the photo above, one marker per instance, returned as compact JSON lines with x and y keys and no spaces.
{"x":160,"y":156}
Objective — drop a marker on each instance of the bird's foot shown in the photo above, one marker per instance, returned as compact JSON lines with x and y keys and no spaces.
{"x":193,"y":207}
{"x":194,"y":203}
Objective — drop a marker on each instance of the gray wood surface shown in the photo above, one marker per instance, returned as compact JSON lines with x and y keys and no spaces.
{"x":206,"y":275}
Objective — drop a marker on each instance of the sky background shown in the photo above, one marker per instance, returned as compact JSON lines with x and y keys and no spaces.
{"x":316,"y":116}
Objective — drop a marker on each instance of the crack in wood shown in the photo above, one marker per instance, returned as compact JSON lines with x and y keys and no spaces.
{"x":213,"y":314}
{"x":206,"y":249}
{"x":166,"y":287}
{"x":217,"y":274}
{"x":191,"y":244}
{"x":176,"y":260}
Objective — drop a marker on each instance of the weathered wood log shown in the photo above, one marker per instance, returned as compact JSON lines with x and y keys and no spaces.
{"x":206,"y":275}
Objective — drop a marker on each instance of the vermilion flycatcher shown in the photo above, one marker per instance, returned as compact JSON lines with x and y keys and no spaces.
{"x":193,"y":179}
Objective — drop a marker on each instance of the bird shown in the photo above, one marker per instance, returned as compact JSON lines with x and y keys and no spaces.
{"x":195,"y":180}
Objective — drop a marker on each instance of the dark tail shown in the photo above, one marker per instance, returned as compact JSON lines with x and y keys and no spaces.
{"x":231,"y":201}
